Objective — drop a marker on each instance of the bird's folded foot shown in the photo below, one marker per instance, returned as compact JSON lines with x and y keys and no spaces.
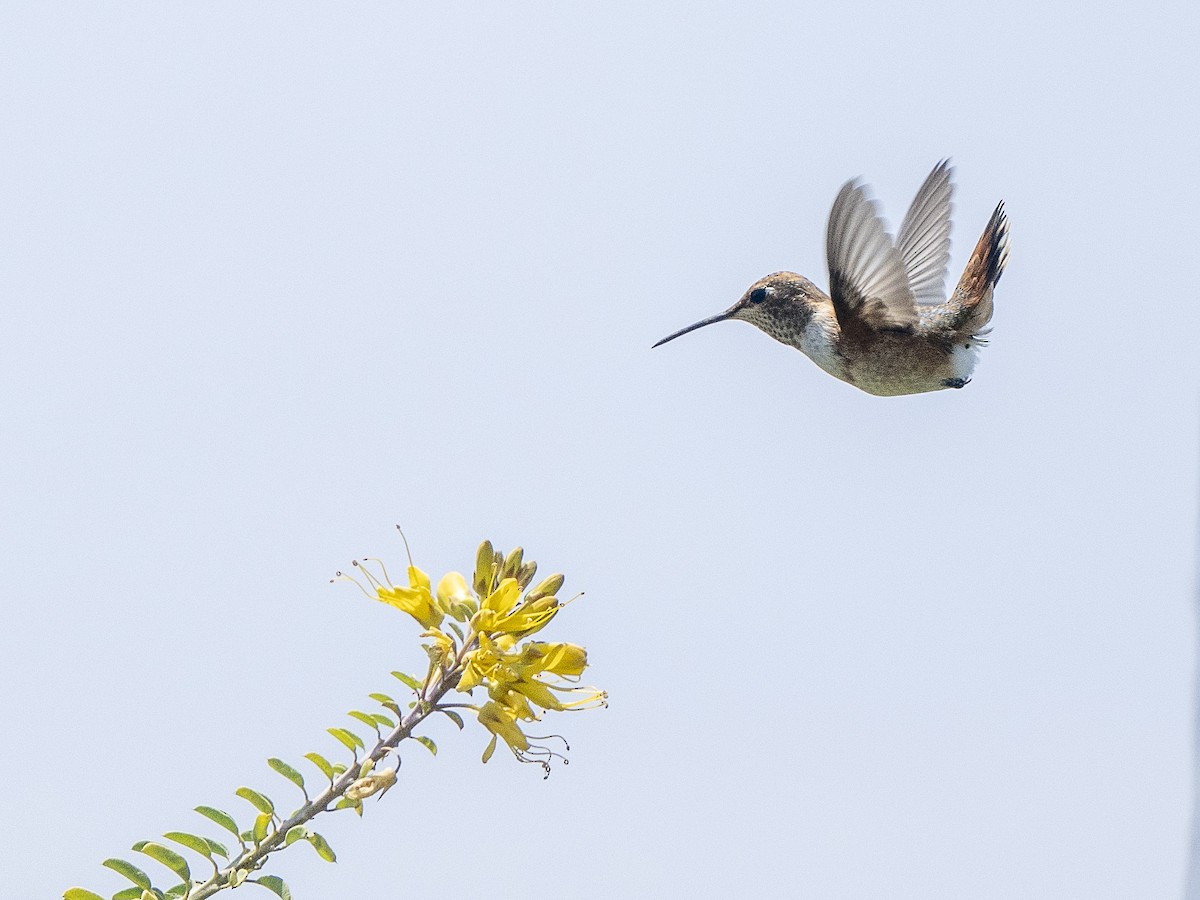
{"x":957,"y":382}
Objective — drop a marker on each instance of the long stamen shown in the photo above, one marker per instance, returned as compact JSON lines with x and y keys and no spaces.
{"x":372,"y":579}
{"x":406,"y":550}
{"x":547,"y":737}
{"x":342,"y":576}
{"x":382,"y":567}
{"x":600,"y":701}
{"x":541,"y":756}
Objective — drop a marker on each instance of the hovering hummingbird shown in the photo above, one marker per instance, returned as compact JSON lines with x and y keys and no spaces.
{"x":886,"y":325}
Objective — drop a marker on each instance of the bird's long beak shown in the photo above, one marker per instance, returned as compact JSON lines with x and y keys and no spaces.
{"x":719,"y":317}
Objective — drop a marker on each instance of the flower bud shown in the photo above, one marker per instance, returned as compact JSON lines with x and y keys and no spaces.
{"x":452,"y":591}
{"x":483,"y":569}
{"x":525,"y":573}
{"x":462,"y":612}
{"x":512,"y":563}
{"x":548,"y":586}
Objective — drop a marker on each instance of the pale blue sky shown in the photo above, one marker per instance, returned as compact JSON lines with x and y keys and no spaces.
{"x":277,"y":277}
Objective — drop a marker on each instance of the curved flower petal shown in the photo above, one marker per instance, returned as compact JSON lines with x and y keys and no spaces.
{"x":561,"y":659}
{"x":417,"y":602}
{"x":503,"y":599}
{"x":500,"y":722}
{"x":452,"y":589}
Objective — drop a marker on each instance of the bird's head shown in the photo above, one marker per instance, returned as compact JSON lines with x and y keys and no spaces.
{"x":779,"y":304}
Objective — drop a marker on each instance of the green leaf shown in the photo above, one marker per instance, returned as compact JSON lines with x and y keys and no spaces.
{"x":275,"y":883}
{"x":381,"y":719}
{"x":261,"y":825}
{"x":322,"y":847}
{"x":129,"y":870}
{"x":427,"y":742}
{"x":216,"y":848}
{"x":461,"y":637}
{"x":339,"y":768}
{"x":192,"y":842}
{"x":133,"y":893}
{"x":387,"y":702}
{"x":287,"y":772}
{"x":408,"y":680}
{"x":167,"y":857}
{"x":321,"y":763}
{"x":80,"y":894}
{"x":224,"y":819}
{"x":453,"y":716}
{"x":255,"y":799}
{"x":295,"y":833}
{"x":178,"y":891}
{"x":366,"y":718}
{"x":349,"y":739}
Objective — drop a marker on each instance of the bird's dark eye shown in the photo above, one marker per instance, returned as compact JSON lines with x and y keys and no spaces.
{"x":758,"y":295}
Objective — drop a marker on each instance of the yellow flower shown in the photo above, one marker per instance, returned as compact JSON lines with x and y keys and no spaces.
{"x":500,"y":601}
{"x":416,"y":599}
{"x":480,"y":664}
{"x":454,"y":597}
{"x":530,"y":617}
{"x":567,"y":661}
{"x":561,"y":659}
{"x":500,"y":613}
{"x":440,"y":648}
{"x":499,"y":609}
{"x":513,"y":679}
{"x":543,"y":694}
{"x":535,"y":691}
{"x":516,"y":703}
{"x":501,"y":723}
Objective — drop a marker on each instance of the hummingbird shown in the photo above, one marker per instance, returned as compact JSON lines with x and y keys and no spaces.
{"x":886,"y":325}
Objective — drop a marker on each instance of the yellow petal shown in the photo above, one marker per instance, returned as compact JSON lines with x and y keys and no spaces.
{"x":504,"y":598}
{"x":500,"y":722}
{"x":561,"y":659}
{"x":471,"y":678}
{"x":538,"y":693}
{"x":528,"y":618}
{"x":417,"y":578}
{"x":452,"y":589}
{"x":417,"y":602}
{"x":514,"y":702}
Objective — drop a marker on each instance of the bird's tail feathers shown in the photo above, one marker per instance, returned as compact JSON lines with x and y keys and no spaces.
{"x":983,"y":272}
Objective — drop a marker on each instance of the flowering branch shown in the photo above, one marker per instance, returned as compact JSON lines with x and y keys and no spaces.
{"x":484,"y":622}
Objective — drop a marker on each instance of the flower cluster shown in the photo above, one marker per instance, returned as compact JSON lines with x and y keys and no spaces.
{"x":477,"y":639}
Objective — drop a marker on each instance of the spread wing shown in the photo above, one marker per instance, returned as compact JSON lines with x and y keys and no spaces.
{"x":867,"y":279}
{"x":924,"y":237}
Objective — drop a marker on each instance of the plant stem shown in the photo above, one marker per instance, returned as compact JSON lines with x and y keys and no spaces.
{"x":253,"y":858}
